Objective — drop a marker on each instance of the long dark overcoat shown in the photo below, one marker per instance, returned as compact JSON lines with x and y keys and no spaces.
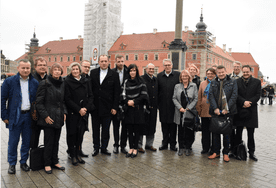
{"x":165,"y":94}
{"x":250,"y":93}
{"x":75,"y":92}
{"x":150,"y":119}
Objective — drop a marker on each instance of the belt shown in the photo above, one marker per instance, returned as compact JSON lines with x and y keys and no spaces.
{"x":24,"y":111}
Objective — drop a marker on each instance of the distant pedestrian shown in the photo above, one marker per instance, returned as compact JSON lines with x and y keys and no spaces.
{"x":19,"y":92}
{"x":167,"y":79}
{"x":222,"y":97}
{"x":270,"y":94}
{"x":249,"y":92}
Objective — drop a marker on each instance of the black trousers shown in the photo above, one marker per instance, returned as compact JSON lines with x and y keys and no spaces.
{"x":98,"y":123}
{"x":51,"y":145}
{"x":250,"y":138}
{"x":217,"y":143}
{"x":133,"y":135}
{"x":169,"y":134}
{"x":270,"y":100}
{"x":186,"y":137}
{"x":74,"y":138}
{"x":35,"y":135}
{"x":206,"y":140}
{"x":116,"y":132}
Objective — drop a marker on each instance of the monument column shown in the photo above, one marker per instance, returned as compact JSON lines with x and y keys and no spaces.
{"x":178,"y":47}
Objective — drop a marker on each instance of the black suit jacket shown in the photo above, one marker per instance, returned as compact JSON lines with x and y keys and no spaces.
{"x":106,"y":95}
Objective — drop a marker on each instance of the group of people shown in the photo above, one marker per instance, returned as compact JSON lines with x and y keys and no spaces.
{"x":130,"y":102}
{"x":267,"y":92}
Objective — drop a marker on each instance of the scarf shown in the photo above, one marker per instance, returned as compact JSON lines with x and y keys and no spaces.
{"x":246,"y":80}
{"x":206,"y":91}
{"x":222,"y":101}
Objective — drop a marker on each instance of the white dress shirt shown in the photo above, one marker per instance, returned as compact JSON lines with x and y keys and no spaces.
{"x":103,"y":74}
{"x":24,"y":85}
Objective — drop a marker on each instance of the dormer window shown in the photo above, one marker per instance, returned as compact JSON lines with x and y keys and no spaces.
{"x":80,"y":48}
{"x":48,"y":50}
{"x":164,"y":44}
{"x":123,"y":46}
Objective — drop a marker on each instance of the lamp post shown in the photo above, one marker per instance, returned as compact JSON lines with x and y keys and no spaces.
{"x":178,"y":47}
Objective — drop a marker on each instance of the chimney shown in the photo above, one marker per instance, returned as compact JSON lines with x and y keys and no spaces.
{"x":214,"y":41}
{"x":60,"y":38}
{"x":186,"y":28}
{"x":79,"y":37}
{"x":230,"y":51}
{"x":154,"y":31}
{"x":224,"y":47}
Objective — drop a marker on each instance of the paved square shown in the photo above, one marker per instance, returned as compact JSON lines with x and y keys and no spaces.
{"x":155,"y":169}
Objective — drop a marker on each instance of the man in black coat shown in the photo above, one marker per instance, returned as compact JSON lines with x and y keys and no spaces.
{"x":249,"y":93}
{"x":150,"y":127}
{"x":106,"y":90}
{"x":121,"y":69}
{"x":40,"y":74}
{"x":166,"y":82}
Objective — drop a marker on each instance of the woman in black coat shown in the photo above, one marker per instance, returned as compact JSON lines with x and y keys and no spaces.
{"x":134,"y":97}
{"x":79,"y":101}
{"x":52,"y":114}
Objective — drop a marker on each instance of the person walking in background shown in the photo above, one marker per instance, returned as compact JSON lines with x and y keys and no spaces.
{"x":135,"y":98}
{"x":222,"y":97}
{"x":52,"y":114}
{"x":106,"y":90}
{"x":19,"y":92}
{"x":270,"y":94}
{"x":79,"y":101}
{"x":185,"y":98}
{"x":202,"y":107}
{"x":40,"y":74}
{"x":121,"y":69}
{"x":249,"y":92}
{"x":167,"y":79}
{"x":150,"y":128}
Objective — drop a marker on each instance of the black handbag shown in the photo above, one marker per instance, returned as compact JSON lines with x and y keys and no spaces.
{"x":221,"y":125}
{"x":37,"y":158}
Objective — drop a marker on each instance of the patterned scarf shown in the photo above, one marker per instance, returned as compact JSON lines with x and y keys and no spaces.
{"x":206,"y":91}
{"x":222,"y":98}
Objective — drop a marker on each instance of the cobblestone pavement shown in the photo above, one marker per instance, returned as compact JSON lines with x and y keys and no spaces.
{"x":155,"y":169}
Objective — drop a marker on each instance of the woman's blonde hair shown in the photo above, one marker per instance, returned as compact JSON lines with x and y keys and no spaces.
{"x":185,"y":72}
{"x":72,"y":65}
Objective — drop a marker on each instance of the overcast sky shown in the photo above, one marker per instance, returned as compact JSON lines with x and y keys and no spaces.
{"x":243,"y":25}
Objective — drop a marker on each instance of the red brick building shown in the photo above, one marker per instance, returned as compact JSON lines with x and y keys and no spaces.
{"x":60,"y":51}
{"x":146,"y":48}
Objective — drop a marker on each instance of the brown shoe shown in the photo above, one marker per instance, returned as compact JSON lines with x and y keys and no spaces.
{"x":226,"y":158}
{"x":141,"y":150}
{"x":213,"y":156}
{"x":151,"y":148}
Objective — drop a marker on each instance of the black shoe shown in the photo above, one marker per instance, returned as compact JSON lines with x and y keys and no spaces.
{"x":59,"y":168}
{"x":74,"y":161}
{"x":180,"y":152}
{"x":116,"y":150}
{"x":163,"y":147}
{"x":253,"y":157}
{"x":79,"y":159}
{"x":25,"y":167}
{"x":82,"y":154}
{"x":188,"y":152}
{"x":123,"y":150}
{"x":173,"y":148}
{"x":11,"y":169}
{"x":128,"y":155}
{"x":48,"y":172}
{"x":95,"y":152}
{"x":204,"y":151}
{"x":105,"y":151}
{"x":134,"y":155}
